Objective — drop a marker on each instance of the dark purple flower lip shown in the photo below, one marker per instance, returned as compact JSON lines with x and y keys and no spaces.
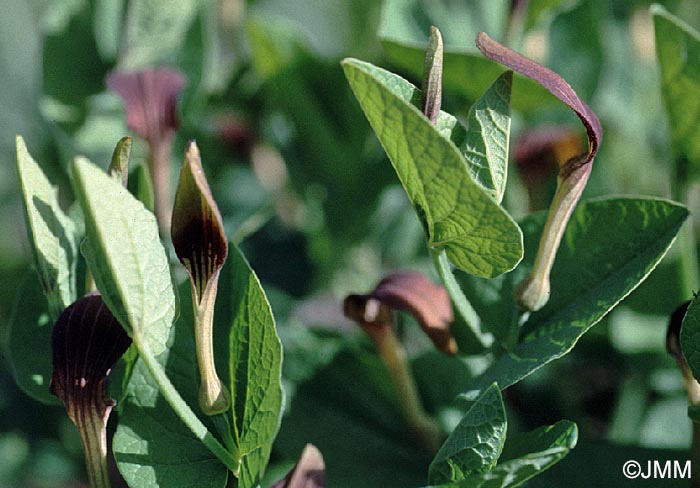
{"x":556,"y":85}
{"x":197,"y":229}
{"x":86,"y":342}
{"x":411,"y":292}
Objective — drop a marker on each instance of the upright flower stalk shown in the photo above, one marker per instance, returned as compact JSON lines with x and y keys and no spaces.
{"x":533,"y":292}
{"x":151,"y":97}
{"x":86,"y":342}
{"x":201,"y":246}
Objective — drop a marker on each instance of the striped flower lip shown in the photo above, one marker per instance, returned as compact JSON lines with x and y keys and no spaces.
{"x":86,"y":342}
{"x":201,"y":246}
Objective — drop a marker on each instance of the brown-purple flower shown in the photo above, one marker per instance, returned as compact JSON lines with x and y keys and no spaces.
{"x":533,"y":292}
{"x":201,"y":246}
{"x":430,"y":305}
{"x":151,"y":101}
{"x":86,"y":342}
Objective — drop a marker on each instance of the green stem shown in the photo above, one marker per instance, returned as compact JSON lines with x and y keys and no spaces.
{"x":688,"y":259}
{"x":461,"y":303}
{"x":183,"y":410}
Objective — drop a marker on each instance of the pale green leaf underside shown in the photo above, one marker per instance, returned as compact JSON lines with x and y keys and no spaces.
{"x":458,"y":215}
{"x":678,"y":52}
{"x":484,"y":142}
{"x":152,"y":446}
{"x":52,"y":233}
{"x":594,"y":270}
{"x":125,"y":256}
{"x":255,"y":371}
{"x":476,"y":442}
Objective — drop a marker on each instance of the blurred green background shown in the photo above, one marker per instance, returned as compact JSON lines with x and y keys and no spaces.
{"x":301,"y":180}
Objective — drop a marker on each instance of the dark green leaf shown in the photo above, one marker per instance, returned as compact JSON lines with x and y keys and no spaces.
{"x":151,"y":445}
{"x":255,"y":359}
{"x":525,"y":456}
{"x":476,"y":442}
{"x":458,"y":215}
{"x":593,"y":271}
{"x":690,"y":337}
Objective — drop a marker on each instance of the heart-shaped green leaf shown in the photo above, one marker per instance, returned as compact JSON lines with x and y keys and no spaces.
{"x":457,"y":214}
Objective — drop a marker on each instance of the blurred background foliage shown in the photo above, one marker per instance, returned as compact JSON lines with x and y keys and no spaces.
{"x":303,"y":183}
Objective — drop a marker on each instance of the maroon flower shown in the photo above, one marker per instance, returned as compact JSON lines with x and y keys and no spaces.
{"x":413,"y":293}
{"x":533,"y":292}
{"x":151,"y":98}
{"x":86,"y":342}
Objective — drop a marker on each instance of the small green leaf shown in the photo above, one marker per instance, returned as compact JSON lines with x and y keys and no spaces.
{"x":594,"y":270}
{"x":458,"y":216}
{"x":678,"y":52}
{"x":485,"y":143}
{"x":255,"y":361}
{"x":151,"y":445}
{"x":125,"y":256}
{"x":119,"y":167}
{"x":563,"y":434}
{"x":525,"y":456}
{"x":52,"y":234}
{"x":476,"y":442}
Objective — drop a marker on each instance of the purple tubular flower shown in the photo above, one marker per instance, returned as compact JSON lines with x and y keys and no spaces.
{"x":86,"y":342}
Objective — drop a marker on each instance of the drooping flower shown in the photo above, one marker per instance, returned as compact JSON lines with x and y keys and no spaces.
{"x":430,"y":305}
{"x":533,"y":292}
{"x":86,"y":342}
{"x":410,"y":292}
